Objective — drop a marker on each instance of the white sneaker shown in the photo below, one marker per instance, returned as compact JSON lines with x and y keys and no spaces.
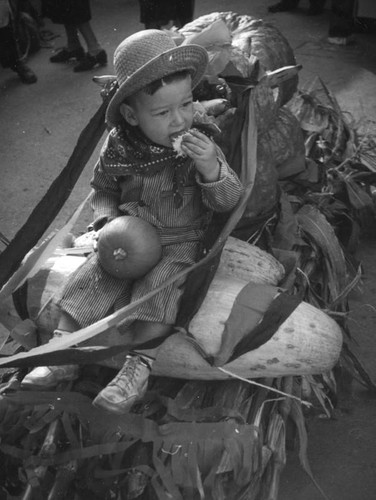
{"x":128,"y":386}
{"x":46,"y":377}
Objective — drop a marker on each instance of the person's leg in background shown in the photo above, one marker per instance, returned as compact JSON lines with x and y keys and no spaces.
{"x":316,"y":7}
{"x":75,"y":16}
{"x":341,"y":21}
{"x":73,"y":50}
{"x":95,"y":55}
{"x":148,"y":14}
{"x":9,"y":56}
{"x":284,"y":6}
{"x":184,"y":12}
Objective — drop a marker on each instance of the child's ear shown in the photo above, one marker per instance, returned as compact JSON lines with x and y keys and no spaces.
{"x":127,"y":112}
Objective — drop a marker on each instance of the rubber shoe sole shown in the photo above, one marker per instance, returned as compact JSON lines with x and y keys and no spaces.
{"x":65,"y":55}
{"x":47,"y":377}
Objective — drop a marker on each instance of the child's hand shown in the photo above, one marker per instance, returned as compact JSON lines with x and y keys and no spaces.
{"x":96,"y":232}
{"x":202,"y":150}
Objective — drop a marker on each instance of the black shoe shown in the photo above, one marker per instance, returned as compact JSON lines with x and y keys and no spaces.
{"x":283,"y":6}
{"x":64,"y":55}
{"x":90,"y":62}
{"x":25,"y":73}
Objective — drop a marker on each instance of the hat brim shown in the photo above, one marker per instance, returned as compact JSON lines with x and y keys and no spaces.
{"x":193,"y":58}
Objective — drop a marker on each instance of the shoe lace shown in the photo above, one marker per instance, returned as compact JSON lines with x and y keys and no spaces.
{"x":128,"y":374}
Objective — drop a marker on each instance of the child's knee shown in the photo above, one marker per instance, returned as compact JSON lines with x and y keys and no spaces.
{"x":149,"y":330}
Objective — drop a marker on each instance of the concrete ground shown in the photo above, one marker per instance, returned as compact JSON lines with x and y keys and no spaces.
{"x":39,"y":126}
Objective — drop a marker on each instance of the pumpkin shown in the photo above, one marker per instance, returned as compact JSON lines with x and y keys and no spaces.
{"x":128,"y":247}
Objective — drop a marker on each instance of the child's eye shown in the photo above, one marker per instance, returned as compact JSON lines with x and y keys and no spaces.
{"x":161,"y":113}
{"x":187,"y":103}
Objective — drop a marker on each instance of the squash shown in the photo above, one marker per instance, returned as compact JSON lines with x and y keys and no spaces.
{"x":308,"y":342}
{"x":258,"y":40}
{"x":128,"y":247}
{"x":238,"y":259}
{"x":247,"y":262}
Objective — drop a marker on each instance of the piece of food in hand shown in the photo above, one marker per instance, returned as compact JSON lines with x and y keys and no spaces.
{"x":206,"y":127}
{"x":177,"y":142}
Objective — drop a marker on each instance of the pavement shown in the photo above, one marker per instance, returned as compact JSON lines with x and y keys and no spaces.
{"x":39,"y":127}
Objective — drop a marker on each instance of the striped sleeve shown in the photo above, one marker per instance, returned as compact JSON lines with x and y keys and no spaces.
{"x":106,"y":196}
{"x":223,"y":194}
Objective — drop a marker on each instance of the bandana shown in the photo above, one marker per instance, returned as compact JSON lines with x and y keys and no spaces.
{"x":129,"y":152}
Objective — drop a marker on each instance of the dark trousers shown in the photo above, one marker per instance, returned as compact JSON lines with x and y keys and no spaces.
{"x":157,"y":13}
{"x":291,"y":4}
{"x":8,"y":48}
{"x":341,"y":20}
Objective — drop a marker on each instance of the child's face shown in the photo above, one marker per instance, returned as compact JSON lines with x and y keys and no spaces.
{"x":163,"y":115}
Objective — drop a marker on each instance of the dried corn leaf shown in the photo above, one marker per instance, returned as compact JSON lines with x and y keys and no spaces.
{"x":38,"y":255}
{"x":4,"y":335}
{"x":317,"y":229}
{"x":322,"y":397}
{"x":48,"y":207}
{"x":356,"y":368}
{"x":330,"y":381}
{"x":367,"y":157}
{"x":191,"y":455}
{"x":298,"y":417}
{"x":4,"y":239}
{"x":358,"y":197}
{"x":312,"y":116}
{"x":350,"y":286}
{"x":276,"y":440}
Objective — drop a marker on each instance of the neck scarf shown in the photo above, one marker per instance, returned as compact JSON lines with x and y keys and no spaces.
{"x":129,"y":152}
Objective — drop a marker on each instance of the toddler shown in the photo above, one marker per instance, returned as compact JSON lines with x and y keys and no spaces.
{"x":140,"y":174}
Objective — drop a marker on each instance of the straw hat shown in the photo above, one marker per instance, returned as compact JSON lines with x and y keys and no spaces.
{"x":147,"y":56}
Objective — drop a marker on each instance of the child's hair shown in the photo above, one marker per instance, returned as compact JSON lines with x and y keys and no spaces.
{"x":151,"y":88}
